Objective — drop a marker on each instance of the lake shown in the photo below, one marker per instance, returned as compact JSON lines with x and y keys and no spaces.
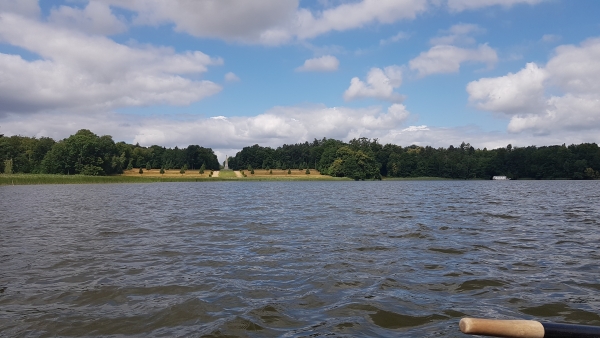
{"x":295,"y":259}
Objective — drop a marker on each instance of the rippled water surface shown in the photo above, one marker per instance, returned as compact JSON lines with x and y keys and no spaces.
{"x":264,"y":259}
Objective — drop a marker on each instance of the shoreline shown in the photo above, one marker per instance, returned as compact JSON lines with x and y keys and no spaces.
{"x":40,"y":179}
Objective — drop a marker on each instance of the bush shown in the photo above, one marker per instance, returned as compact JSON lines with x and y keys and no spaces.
{"x":252,"y":171}
{"x":162,"y":171}
{"x":141,"y":171}
{"x":270,"y":172}
{"x":289,"y":171}
{"x":307,"y":172}
{"x":182,"y":171}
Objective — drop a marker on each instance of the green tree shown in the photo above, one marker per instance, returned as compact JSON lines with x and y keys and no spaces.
{"x":202,"y":168}
{"x":270,"y":171}
{"x":162,"y":171}
{"x":130,"y":165}
{"x":182,"y":171}
{"x":289,"y":171}
{"x":307,"y":172}
{"x":8,"y":167}
{"x":141,"y":171}
{"x":148,"y":166}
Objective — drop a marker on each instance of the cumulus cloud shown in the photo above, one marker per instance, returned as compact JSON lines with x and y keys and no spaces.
{"x":461,"y":5}
{"x":510,"y":94}
{"x":326,"y":63}
{"x":29,"y":8}
{"x":270,"y":22}
{"x":573,"y":74}
{"x":380,"y":84}
{"x":234,"y":20}
{"x":76,"y":70}
{"x":356,"y":14}
{"x":231,"y":77}
{"x":95,"y":18}
{"x":447,"y":59}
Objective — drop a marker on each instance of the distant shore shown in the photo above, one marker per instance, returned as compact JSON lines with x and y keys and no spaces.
{"x":154,"y":176}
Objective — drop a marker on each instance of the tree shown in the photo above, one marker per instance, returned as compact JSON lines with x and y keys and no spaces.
{"x":307,"y":171}
{"x":182,"y":171}
{"x":202,"y":168}
{"x":270,"y":172}
{"x":141,"y":171}
{"x":8,"y":167}
{"x":162,"y":171}
{"x":148,"y":166}
{"x":130,"y":165}
{"x":289,"y":171}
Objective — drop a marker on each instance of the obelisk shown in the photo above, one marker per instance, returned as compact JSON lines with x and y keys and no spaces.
{"x":226,"y":167}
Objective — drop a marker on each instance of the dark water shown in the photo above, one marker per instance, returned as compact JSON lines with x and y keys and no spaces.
{"x":295,"y":259}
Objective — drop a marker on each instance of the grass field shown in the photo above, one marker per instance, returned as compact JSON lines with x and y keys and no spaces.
{"x":154,"y":175}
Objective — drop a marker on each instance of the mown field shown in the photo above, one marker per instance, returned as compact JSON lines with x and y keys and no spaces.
{"x":154,"y":175}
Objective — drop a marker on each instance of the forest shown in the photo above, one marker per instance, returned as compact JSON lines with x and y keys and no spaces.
{"x":86,"y":153}
{"x":89,"y":154}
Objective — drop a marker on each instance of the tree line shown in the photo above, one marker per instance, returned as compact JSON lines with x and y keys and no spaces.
{"x":368,"y":159}
{"x":89,"y":154}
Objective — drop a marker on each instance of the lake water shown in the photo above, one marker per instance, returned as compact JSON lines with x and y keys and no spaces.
{"x":295,"y":259}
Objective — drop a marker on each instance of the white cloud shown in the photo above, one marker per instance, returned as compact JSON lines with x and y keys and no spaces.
{"x":447,"y":59}
{"x":461,"y":5}
{"x":326,"y":63}
{"x":573,"y":74}
{"x":510,"y":94}
{"x":395,"y":38}
{"x":356,"y":14}
{"x":380,"y":84}
{"x":95,"y":18}
{"x":257,"y":21}
{"x":76,"y":70}
{"x":231,"y":77}
{"x":458,"y":34}
{"x":29,"y":8}
{"x":270,"y":22}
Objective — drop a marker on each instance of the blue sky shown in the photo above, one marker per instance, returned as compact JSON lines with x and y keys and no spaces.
{"x":228,"y":74}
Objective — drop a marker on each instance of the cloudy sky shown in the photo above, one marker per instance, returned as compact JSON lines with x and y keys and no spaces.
{"x":231,"y":73}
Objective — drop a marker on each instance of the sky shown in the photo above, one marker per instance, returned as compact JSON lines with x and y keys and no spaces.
{"x":226,"y":74}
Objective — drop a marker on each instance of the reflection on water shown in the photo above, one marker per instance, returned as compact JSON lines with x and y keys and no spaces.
{"x":295,"y":258}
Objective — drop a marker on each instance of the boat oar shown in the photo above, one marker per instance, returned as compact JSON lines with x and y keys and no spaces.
{"x":525,"y":328}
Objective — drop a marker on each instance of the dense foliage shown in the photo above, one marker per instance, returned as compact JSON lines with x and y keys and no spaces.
{"x":366,"y":159}
{"x":90,"y":154}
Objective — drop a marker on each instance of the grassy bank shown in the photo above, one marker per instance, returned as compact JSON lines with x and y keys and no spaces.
{"x":28,"y":179}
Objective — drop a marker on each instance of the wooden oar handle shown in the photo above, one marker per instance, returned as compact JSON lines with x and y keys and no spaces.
{"x":502,"y":328}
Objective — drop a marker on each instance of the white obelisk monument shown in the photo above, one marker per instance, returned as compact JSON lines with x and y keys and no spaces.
{"x":226,"y":167}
